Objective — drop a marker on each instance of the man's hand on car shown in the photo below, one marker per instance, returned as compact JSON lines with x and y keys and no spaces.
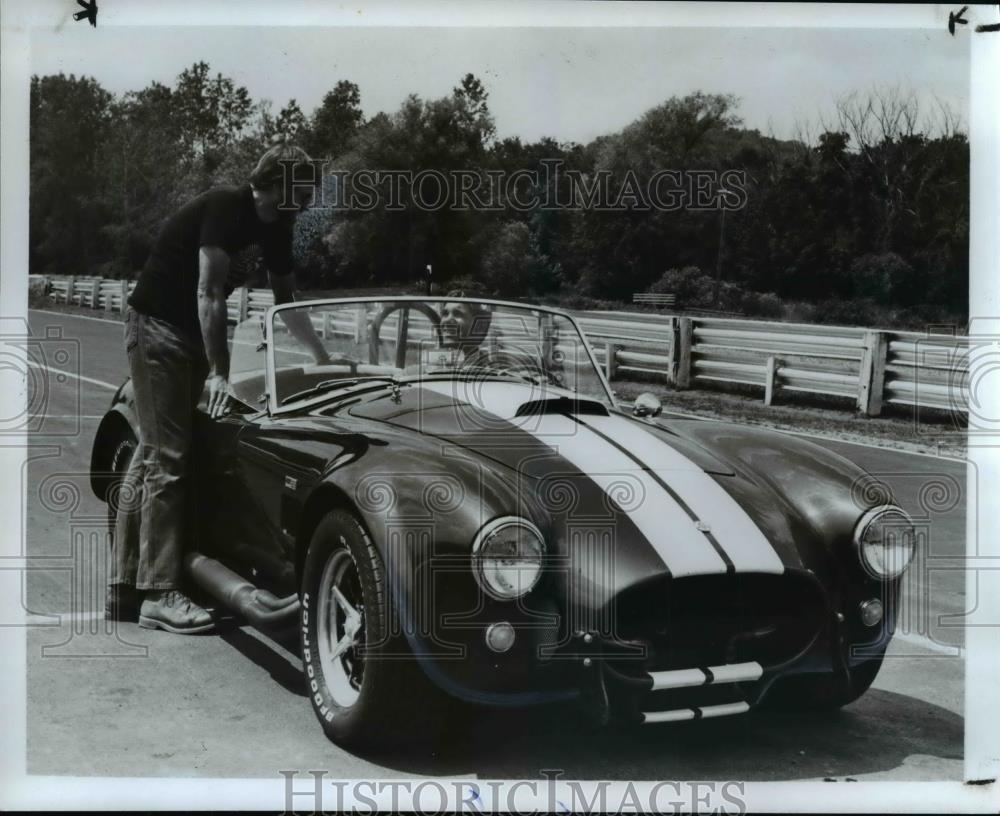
{"x":218,"y":396}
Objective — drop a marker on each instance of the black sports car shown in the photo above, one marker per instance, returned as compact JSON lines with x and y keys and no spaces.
{"x":457,"y":506}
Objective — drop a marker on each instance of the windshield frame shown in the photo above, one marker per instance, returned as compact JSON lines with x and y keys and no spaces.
{"x":270,"y":380}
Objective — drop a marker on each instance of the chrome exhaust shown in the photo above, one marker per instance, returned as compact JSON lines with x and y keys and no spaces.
{"x":260,"y":608}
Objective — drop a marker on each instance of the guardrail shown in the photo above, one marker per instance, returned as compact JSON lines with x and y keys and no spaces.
{"x":869,"y":367}
{"x":111,"y":295}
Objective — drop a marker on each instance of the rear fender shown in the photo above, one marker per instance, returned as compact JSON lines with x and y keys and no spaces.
{"x":119,"y":421}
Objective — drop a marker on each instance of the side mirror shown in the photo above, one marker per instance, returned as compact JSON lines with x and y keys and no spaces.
{"x":647,"y":405}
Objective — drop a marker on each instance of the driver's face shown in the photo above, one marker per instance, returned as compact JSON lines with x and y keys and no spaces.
{"x":456,"y":322}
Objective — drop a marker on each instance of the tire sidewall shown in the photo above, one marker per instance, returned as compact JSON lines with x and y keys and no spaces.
{"x":121,"y":457}
{"x":337,"y":530}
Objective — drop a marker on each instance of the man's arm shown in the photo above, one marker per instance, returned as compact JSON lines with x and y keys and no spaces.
{"x":213,"y":266}
{"x":298,"y":321}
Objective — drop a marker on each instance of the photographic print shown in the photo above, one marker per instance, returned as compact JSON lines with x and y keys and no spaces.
{"x":408,"y":407}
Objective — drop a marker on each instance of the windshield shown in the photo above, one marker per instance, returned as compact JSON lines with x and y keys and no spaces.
{"x":318,"y":347}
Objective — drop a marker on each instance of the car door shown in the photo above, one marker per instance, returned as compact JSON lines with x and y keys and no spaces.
{"x":234,"y":525}
{"x":280,"y":461}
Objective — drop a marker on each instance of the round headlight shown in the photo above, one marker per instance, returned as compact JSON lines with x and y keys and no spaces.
{"x":507,"y":557}
{"x":886,"y":541}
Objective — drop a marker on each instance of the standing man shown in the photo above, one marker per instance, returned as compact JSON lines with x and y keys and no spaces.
{"x":175,"y":339}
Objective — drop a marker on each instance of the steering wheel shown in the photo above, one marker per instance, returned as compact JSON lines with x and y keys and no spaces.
{"x":506,"y":362}
{"x":401,"y":328}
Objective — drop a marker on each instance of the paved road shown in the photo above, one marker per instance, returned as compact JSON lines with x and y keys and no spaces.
{"x":143,"y":703}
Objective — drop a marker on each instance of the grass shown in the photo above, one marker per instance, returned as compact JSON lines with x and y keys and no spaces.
{"x":897,"y":427}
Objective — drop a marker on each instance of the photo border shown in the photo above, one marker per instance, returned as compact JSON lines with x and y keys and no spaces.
{"x":982,"y":654}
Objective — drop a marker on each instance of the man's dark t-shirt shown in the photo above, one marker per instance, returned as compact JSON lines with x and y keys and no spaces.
{"x":225,"y":217}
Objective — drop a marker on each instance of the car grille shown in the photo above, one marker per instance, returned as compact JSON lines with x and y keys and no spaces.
{"x":718,"y":619}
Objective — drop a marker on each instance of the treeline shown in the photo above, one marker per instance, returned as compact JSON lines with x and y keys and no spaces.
{"x":865,"y":223}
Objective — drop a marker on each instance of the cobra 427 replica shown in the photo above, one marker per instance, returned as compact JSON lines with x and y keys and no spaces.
{"x":456,"y":506}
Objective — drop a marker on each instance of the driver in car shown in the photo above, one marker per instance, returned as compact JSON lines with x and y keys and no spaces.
{"x":464,"y":327}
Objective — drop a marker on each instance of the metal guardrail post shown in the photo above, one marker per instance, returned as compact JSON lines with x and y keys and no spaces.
{"x":70,"y":286}
{"x":95,"y":294}
{"x":872,"y":378}
{"x":244,"y":305}
{"x":124,"y":301}
{"x":771,"y":384}
{"x":360,"y":325}
{"x":683,"y":337}
{"x":611,"y":360}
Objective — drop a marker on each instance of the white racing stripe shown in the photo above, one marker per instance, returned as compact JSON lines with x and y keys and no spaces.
{"x":684,"y":548}
{"x":662,"y":521}
{"x":744,"y":543}
{"x":499,"y":400}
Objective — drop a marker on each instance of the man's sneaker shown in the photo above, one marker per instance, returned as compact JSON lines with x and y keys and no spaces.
{"x":121,"y":603}
{"x":173,"y":611}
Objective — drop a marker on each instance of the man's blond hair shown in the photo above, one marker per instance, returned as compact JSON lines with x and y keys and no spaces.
{"x":277,"y":161}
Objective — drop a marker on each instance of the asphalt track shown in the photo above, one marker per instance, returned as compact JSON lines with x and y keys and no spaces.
{"x":130,"y":702}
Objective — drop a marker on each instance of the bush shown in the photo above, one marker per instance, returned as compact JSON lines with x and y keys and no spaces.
{"x":762,"y":304}
{"x":850,"y":312}
{"x":577,"y":302}
{"x":468,"y":285}
{"x":680,"y":282}
{"x":879,"y":277}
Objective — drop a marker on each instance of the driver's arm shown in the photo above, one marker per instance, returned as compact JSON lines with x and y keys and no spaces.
{"x":297,"y":320}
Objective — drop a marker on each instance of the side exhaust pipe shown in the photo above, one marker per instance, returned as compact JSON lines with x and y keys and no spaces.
{"x":262,"y":609}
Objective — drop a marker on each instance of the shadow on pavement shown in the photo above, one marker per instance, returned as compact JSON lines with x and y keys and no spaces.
{"x":877,"y":733}
{"x":286,"y":674}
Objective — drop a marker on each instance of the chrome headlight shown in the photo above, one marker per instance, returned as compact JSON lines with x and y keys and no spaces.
{"x":507,"y":557}
{"x":886,"y":541}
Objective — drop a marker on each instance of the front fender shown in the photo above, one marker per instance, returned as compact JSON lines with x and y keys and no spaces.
{"x":805,"y":498}
{"x":423,"y":505}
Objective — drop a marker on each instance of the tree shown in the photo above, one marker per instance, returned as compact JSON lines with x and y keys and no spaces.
{"x":472,"y":96}
{"x":147,"y":173}
{"x":335,"y":122}
{"x":868,"y":221}
{"x":214,"y":112}
{"x":436,"y":136}
{"x":512,"y":264}
{"x":69,"y":123}
{"x":291,"y":122}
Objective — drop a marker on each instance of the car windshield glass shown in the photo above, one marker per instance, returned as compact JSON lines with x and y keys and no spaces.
{"x":247,"y":363}
{"x":315,"y":344}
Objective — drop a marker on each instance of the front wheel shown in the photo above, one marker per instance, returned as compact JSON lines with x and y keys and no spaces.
{"x":364,"y":684}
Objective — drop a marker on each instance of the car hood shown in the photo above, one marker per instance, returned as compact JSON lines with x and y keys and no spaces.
{"x":708,"y":497}
{"x":517,"y":424}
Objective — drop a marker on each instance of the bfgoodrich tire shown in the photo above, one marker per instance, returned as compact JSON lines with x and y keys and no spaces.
{"x":364,"y":684}
{"x":121,"y":456}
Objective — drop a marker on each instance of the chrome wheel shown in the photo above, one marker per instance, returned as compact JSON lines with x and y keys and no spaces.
{"x":341,"y":623}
